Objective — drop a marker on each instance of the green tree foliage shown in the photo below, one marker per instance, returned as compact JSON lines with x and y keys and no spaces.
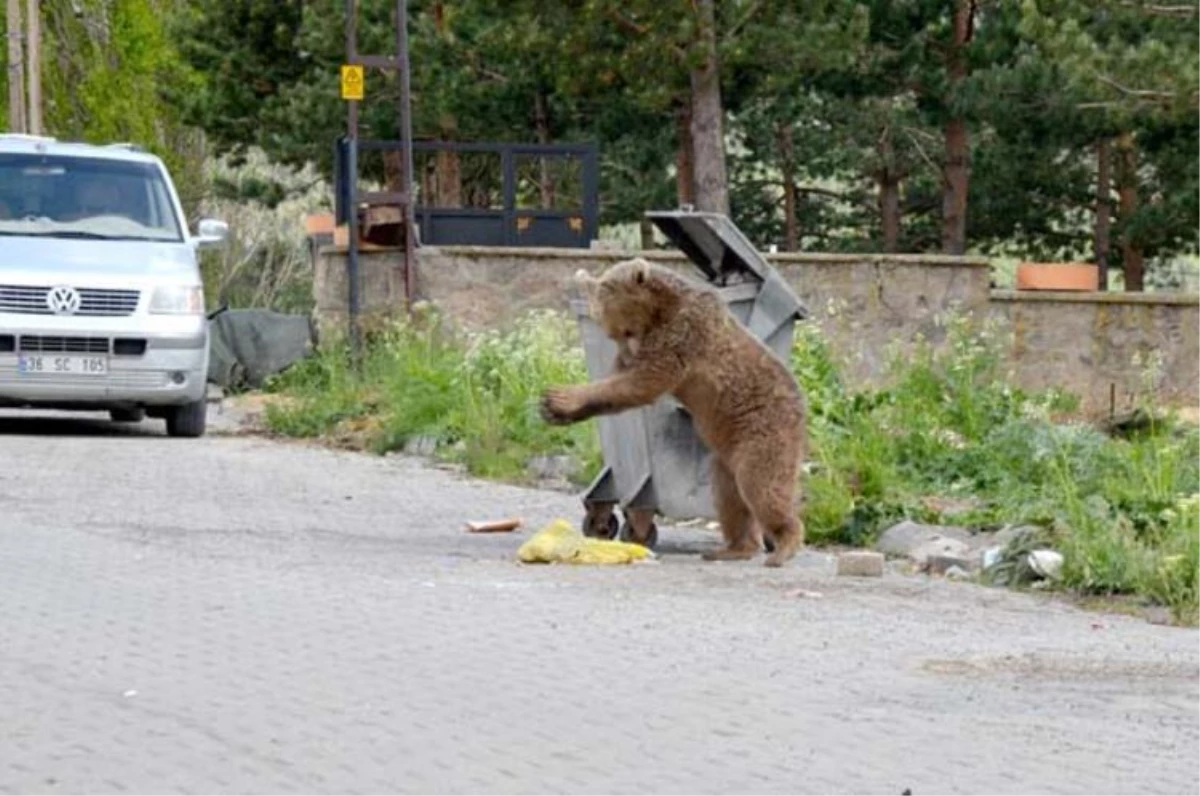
{"x":110,"y":72}
{"x":1132,"y":57}
{"x":242,"y":54}
{"x":837,"y":115}
{"x":1130,"y":69}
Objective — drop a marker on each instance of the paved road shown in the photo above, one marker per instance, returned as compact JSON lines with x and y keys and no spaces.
{"x":236,"y":615}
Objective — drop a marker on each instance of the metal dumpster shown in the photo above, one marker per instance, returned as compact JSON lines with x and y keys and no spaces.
{"x":654,"y":463}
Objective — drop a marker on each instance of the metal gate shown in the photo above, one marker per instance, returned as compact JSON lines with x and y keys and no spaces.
{"x":502,"y":205}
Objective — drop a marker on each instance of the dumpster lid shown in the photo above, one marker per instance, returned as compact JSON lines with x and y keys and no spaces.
{"x":718,"y":248}
{"x":712,"y":242}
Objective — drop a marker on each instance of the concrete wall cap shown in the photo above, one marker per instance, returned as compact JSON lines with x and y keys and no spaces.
{"x":781,"y":258}
{"x":1096,"y":297}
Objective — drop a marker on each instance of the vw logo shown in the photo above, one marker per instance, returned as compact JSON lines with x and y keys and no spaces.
{"x":63,"y":300}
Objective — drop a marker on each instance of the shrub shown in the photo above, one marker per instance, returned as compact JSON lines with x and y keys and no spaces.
{"x":474,"y":395}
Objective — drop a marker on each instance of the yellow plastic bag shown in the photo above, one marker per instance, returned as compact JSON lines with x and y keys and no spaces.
{"x":561,"y":542}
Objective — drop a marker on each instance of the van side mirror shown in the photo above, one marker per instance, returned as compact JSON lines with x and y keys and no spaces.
{"x":211,"y":232}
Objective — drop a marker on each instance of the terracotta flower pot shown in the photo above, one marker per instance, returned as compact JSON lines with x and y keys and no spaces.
{"x":1058,"y":276}
{"x":318,"y":224}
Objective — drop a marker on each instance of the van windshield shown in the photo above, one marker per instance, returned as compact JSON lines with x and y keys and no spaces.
{"x":72,"y":197}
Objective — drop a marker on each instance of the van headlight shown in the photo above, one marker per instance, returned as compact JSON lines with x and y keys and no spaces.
{"x":178,"y":301}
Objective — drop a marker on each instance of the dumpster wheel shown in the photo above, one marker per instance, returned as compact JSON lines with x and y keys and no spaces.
{"x":650,"y":542}
{"x":600,"y":521}
{"x":639,"y":527}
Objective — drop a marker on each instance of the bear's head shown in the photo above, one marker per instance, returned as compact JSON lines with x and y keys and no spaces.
{"x":629,"y":298}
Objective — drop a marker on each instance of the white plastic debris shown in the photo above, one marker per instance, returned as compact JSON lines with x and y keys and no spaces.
{"x":1046,"y":563}
{"x":990,"y":556}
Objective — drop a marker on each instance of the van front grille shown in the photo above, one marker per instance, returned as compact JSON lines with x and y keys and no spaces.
{"x":48,"y":344}
{"x":93,"y":301}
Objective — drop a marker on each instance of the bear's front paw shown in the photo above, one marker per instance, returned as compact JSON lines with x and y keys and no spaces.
{"x":560,"y":406}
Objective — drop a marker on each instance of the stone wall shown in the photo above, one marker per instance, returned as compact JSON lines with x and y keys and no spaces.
{"x":863,"y":303}
{"x":381,"y":288}
{"x":1092,"y":344}
{"x":1105,"y":347}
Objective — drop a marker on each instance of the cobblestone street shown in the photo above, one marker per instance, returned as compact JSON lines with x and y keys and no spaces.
{"x":236,"y":615}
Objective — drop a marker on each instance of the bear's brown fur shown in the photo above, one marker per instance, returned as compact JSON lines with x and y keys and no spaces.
{"x":677,"y":336}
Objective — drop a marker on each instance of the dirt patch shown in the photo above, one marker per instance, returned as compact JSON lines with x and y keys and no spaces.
{"x":244,"y":414}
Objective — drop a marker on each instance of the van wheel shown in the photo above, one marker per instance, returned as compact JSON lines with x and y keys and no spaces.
{"x":187,"y":420}
{"x":127,"y":415}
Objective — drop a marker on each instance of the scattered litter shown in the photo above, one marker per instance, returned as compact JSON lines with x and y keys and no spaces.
{"x":130,"y":693}
{"x":991,"y":556}
{"x":562,"y":542}
{"x":494,"y":526}
{"x":803,"y":593}
{"x":1046,"y":563}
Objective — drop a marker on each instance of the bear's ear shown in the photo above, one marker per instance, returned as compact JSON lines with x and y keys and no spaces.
{"x":641,"y":271}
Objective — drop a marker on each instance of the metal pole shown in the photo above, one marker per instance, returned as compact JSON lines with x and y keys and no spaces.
{"x":34,"y":59}
{"x":352,"y":188}
{"x":16,"y":68}
{"x":410,"y":265}
{"x":352,"y":258}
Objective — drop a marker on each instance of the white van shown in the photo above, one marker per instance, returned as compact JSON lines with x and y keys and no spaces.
{"x":101,"y":301}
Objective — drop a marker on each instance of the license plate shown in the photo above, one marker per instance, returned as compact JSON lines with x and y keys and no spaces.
{"x":63,"y":364}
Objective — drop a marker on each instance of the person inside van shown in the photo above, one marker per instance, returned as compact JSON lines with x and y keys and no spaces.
{"x":94,"y":197}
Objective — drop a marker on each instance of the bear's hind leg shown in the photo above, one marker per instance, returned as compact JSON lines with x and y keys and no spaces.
{"x":769,"y":485}
{"x":735,"y":517}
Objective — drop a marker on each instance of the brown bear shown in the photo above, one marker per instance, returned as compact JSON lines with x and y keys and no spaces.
{"x":677,"y":336}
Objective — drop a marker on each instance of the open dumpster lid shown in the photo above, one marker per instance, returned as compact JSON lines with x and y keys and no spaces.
{"x":718,"y":248}
{"x":712,"y":242}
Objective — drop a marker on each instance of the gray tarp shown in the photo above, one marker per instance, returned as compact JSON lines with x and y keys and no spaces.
{"x":247,"y":346}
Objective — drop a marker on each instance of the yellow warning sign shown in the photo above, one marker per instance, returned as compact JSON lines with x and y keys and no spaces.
{"x":352,"y":82}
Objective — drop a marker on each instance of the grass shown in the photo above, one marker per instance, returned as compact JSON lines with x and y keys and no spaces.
{"x":474,"y":396}
{"x":949,"y":440}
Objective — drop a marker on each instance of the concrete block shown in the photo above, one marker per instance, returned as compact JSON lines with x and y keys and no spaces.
{"x":860,"y":564}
